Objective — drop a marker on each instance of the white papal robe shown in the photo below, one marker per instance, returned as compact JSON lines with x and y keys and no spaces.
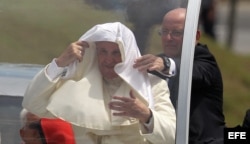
{"x":82,"y":99}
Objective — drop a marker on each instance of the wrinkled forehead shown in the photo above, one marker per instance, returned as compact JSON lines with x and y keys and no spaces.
{"x":173,"y":23}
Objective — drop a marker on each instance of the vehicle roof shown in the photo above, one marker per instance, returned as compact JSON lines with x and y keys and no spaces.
{"x":14,"y":78}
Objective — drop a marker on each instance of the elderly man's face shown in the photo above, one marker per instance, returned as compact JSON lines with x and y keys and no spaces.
{"x":30,"y":136}
{"x":172,"y":32}
{"x":109,"y":55}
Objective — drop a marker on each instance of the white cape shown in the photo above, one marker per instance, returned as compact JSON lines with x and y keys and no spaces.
{"x":81,"y":100}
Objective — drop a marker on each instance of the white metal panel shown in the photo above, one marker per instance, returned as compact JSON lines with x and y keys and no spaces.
{"x":186,"y":68}
{"x":14,"y":78}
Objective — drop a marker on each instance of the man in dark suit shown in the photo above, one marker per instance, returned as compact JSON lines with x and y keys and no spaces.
{"x":206,"y":113}
{"x":246,"y":121}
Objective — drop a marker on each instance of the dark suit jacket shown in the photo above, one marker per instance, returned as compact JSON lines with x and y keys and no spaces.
{"x":206,"y":113}
{"x":246,"y":121}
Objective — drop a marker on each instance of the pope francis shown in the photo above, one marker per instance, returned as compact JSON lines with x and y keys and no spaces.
{"x":94,"y":86}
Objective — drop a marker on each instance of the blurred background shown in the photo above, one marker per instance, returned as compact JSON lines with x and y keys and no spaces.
{"x":232,"y":29}
{"x":33,"y":31}
{"x":233,"y":25}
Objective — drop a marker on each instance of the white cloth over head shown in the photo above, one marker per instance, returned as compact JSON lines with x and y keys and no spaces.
{"x":81,"y":99}
{"x":124,"y":37}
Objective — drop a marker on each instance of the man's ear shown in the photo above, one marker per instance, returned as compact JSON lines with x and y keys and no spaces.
{"x":21,"y":132}
{"x":198,"y":35}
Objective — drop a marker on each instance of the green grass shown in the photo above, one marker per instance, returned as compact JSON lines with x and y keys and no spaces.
{"x":35,"y":31}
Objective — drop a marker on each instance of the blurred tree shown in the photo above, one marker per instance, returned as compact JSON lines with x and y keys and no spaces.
{"x":231,"y":23}
{"x":143,"y":14}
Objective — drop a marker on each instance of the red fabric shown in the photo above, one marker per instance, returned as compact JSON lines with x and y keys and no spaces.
{"x":57,"y":131}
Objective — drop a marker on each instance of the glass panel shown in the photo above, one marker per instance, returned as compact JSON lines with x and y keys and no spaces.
{"x":35,"y":32}
{"x":10,"y":106}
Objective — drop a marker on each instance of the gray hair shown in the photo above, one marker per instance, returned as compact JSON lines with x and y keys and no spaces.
{"x":23,"y":117}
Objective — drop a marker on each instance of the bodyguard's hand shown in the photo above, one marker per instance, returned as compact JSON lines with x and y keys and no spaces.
{"x":75,"y":51}
{"x":131,"y":107}
{"x":149,"y":62}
